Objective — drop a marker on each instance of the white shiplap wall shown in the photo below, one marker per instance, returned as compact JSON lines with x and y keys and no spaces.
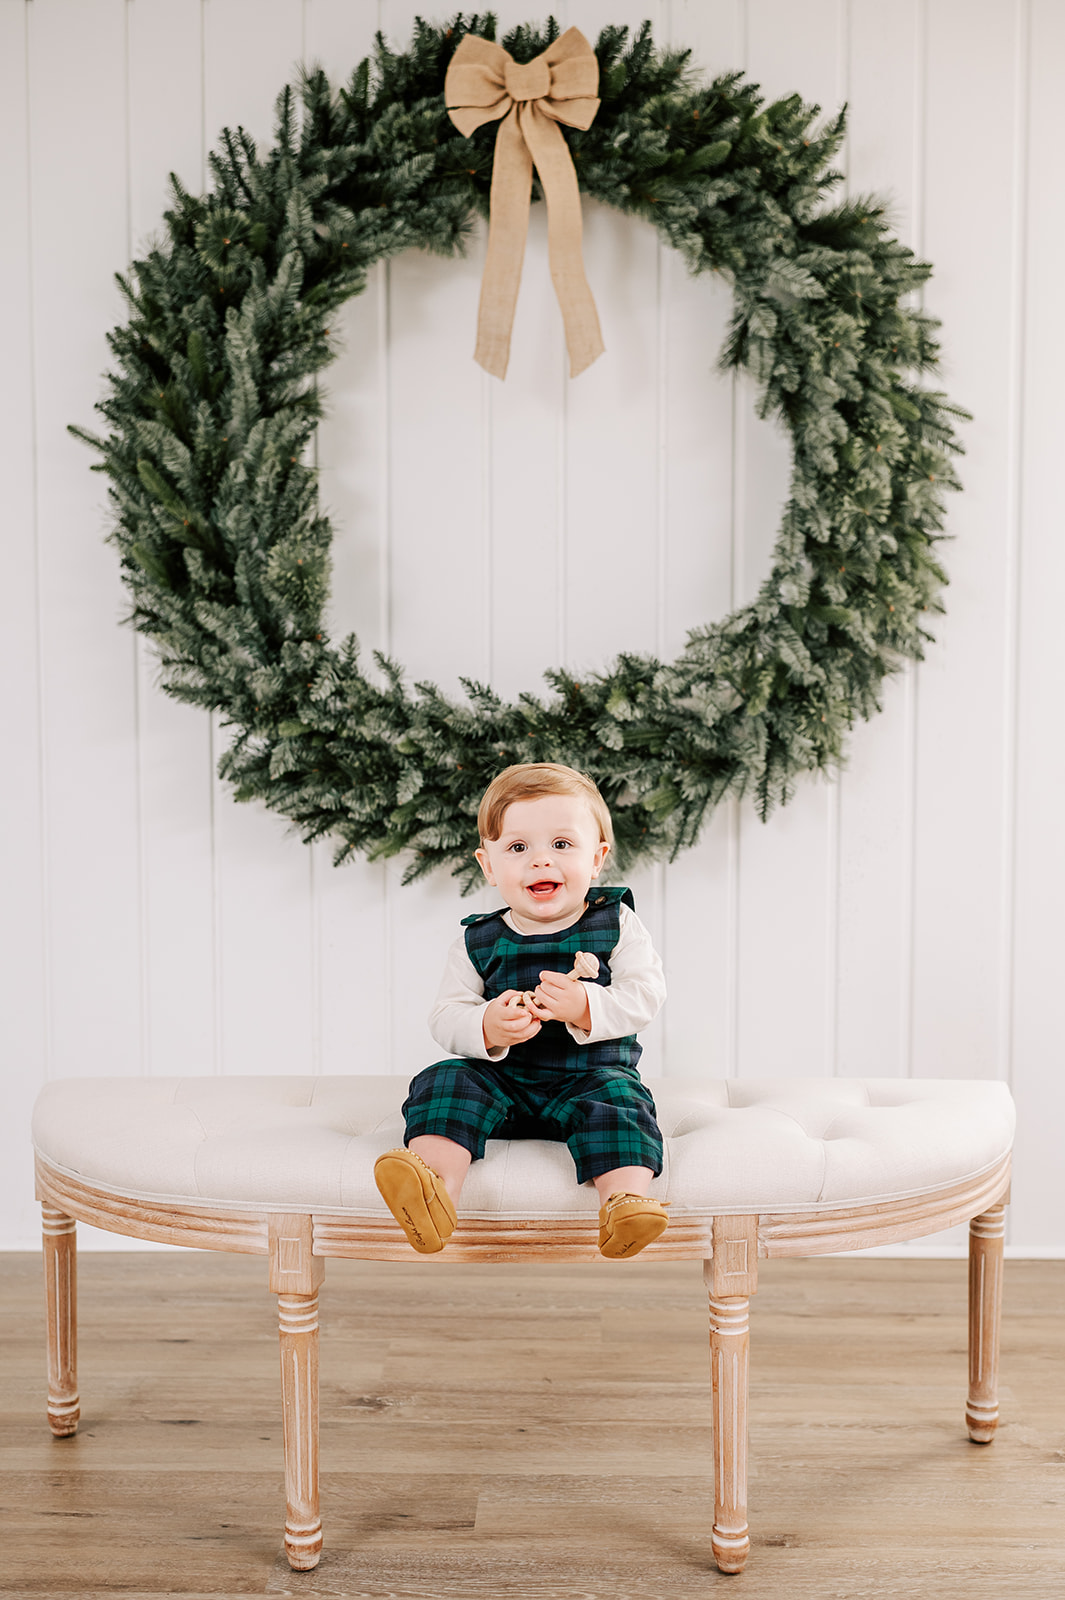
{"x":904,"y":920}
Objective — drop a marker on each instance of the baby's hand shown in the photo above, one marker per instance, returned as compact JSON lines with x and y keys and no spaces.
{"x":505,"y":1021}
{"x":560,"y":998}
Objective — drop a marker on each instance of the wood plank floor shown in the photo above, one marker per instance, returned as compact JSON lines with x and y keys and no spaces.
{"x":532,"y":1433}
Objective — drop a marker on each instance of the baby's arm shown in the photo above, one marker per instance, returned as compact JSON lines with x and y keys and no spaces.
{"x":636,"y":992}
{"x":464,"y":1024}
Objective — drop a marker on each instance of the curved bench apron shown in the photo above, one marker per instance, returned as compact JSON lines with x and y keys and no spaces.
{"x":283,"y":1167}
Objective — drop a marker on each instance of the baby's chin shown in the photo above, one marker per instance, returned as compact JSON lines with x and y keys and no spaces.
{"x":561,"y":907}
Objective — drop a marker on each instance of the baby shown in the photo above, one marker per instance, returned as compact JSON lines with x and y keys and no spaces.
{"x":539,"y":1006}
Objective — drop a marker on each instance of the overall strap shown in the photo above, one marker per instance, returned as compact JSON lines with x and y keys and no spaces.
{"x":617,"y":896}
{"x":505,"y":959}
{"x":596,"y":897}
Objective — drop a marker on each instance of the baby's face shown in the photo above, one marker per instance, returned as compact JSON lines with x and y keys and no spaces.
{"x":547,"y":854}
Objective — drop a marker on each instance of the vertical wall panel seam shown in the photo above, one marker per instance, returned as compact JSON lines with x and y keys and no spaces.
{"x":909,"y":860}
{"x":217,"y":964}
{"x":487,"y":530}
{"x":562,"y":479}
{"x":384,"y":341}
{"x":314,"y":886}
{"x":843,"y":78}
{"x":737,"y":508}
{"x":661,"y":890}
{"x":384,"y":378}
{"x":561,"y":519}
{"x":663,"y":20}
{"x":314,"y":877}
{"x":732,"y":1020}
{"x":834,"y":830}
{"x":137,"y":653}
{"x":733,"y":869}
{"x":213,"y":726}
{"x":1014,"y":530}
{"x":663,"y":14}
{"x":384,"y":369}
{"x":834,"y":798}
{"x":315,"y":934}
{"x":203,"y":95}
{"x":912,"y":704}
{"x":661,"y":453}
{"x":38,"y":579}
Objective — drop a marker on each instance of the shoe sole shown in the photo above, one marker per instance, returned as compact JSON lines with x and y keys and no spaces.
{"x":401,"y":1189}
{"x":629,"y":1235}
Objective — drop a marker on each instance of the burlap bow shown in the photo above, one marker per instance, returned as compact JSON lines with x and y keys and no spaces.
{"x":485,"y":83}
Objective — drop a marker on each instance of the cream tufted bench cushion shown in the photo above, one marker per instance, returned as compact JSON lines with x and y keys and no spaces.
{"x":283,"y":1166}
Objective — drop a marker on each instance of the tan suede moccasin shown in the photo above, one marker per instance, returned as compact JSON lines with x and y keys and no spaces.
{"x":628,"y":1223}
{"x":417,"y":1199}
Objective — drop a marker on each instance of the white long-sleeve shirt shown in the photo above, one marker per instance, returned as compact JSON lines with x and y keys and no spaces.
{"x":634,"y":998}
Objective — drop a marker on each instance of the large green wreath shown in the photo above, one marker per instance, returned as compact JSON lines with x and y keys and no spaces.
{"x":225,"y":551}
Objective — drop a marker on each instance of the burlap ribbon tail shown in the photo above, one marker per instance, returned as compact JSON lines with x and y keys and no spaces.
{"x":485,"y":84}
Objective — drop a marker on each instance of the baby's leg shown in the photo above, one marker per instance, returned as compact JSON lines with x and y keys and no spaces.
{"x":450,"y":1161}
{"x":452,"y":1108}
{"x":611,"y":1115}
{"x":607,"y":1118}
{"x":622,"y":1180}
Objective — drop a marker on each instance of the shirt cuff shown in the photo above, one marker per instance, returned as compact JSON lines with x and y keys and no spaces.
{"x":489,"y":1053}
{"x":465,"y":1035}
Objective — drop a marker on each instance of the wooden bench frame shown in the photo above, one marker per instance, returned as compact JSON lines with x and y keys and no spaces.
{"x":729,"y":1245}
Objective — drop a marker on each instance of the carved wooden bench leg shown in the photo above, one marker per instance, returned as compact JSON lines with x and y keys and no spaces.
{"x":298,"y":1321}
{"x":731,"y":1278}
{"x":295,"y":1276}
{"x":61,"y":1289}
{"x":986,"y":1233}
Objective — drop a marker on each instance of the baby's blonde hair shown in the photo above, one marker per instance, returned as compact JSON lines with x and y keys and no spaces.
{"x":531,"y":780}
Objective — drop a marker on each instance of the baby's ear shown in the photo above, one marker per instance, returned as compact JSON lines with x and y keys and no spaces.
{"x":482,"y":862}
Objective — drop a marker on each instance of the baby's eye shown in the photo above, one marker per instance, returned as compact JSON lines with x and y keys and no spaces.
{"x":561,"y":844}
{"x":517,"y":847}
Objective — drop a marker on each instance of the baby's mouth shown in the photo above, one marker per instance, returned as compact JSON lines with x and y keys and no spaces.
{"x":543,"y":889}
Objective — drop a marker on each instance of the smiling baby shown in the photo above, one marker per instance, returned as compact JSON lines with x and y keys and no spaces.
{"x":540,"y":1004}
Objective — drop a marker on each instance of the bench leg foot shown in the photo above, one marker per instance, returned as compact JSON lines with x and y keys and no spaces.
{"x":985,"y":1310}
{"x":729,"y":1362}
{"x":298,"y":1323}
{"x":61,"y":1290}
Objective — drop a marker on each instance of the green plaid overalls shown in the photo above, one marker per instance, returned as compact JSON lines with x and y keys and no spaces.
{"x":550,"y":1087}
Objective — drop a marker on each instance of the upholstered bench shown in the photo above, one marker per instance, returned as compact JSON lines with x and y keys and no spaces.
{"x":283,"y":1167}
